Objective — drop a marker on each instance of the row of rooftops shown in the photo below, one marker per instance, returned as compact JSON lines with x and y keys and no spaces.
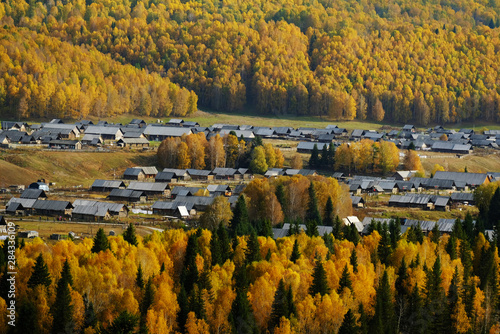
{"x":441,"y":180}
{"x":137,"y":131}
{"x":363,"y":227}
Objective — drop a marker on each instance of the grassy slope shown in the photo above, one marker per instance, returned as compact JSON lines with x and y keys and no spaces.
{"x":66,"y":168}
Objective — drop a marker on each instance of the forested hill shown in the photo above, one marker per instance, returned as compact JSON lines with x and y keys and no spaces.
{"x":402,"y":61}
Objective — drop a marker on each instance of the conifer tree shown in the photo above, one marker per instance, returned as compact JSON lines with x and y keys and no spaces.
{"x":215,"y":249}
{"x":415,"y":322}
{"x":354,"y":260}
{"x":295,"y":252}
{"x":139,"y":280}
{"x":312,"y":228}
{"x":148,"y":297}
{"x":319,"y":283}
{"x":224,"y":243}
{"x":240,"y":224}
{"x":384,"y":246}
{"x":348,"y":324}
{"x":451,"y":247}
{"x":281,"y":197}
{"x":241,"y":318}
{"x":314,"y":159}
{"x":328,"y":239}
{"x":129,"y":235}
{"x":90,"y":318}
{"x":328,"y":220}
{"x":345,"y":281}
{"x":394,"y":232}
{"x":100,"y":242}
{"x":384,"y":319}
{"x":331,"y":155}
{"x":494,"y":210}
{"x":62,"y":310}
{"x":312,"y":213}
{"x":182,"y":314}
{"x":26,"y":319}
{"x":125,"y":323}
{"x":453,"y":298}
{"x":279,"y":306}
{"x":189,"y":275}
{"x":468,"y":227}
{"x":252,"y":252}
{"x":363,"y":320}
{"x":292,"y":310}
{"x":435,"y":298}
{"x":323,"y":162}
{"x":40,"y":274}
{"x":266,"y":229}
{"x":337,"y":230}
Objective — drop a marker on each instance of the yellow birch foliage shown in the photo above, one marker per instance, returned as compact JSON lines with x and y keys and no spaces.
{"x":196,"y":326}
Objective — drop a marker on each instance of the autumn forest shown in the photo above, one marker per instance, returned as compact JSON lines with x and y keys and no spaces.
{"x":424,"y":62}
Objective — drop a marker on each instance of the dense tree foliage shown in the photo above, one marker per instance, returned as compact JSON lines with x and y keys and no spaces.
{"x":296,"y":284}
{"x":403,"y":61}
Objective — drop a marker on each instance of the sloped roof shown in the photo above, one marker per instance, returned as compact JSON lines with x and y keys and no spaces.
{"x":167,"y":131}
{"x":126,"y":193}
{"x":104,"y":130}
{"x":220,"y":171}
{"x":27,"y":203}
{"x":177,"y":172}
{"x":199,"y":172}
{"x":307,"y":145}
{"x":474,"y":179}
{"x":33,"y":193}
{"x":108,"y":184}
{"x":52,"y":205}
{"x":462,"y":197}
{"x":148,"y":186}
{"x":164,"y":176}
{"x":134,"y":140}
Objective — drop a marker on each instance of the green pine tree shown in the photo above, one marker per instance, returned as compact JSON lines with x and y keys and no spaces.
{"x":281,"y":197}
{"x":279,"y":307}
{"x":40,"y":274}
{"x":354,"y":260}
{"x":90,"y":318}
{"x":451,"y":247}
{"x":189,"y":274}
{"x":215,"y":250}
{"x":295,"y":252}
{"x":312,"y":213}
{"x":345,"y":281}
{"x":182,"y":314}
{"x":319,"y":283}
{"x":100,"y":242}
{"x":329,"y":219}
{"x":314,"y":159}
{"x":384,"y":320}
{"x":331,"y":155}
{"x":224,"y":242}
{"x":323,"y":162}
{"x":252,"y":252}
{"x":241,"y":318}
{"x":494,"y":210}
{"x":348,"y":324}
{"x":125,"y":323}
{"x":384,"y":247}
{"x":139,"y":280}
{"x":129,"y":235}
{"x":62,"y":310}
{"x":240,"y":224}
{"x":435,"y":298}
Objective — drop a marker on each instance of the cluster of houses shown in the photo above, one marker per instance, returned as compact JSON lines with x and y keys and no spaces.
{"x":137,"y":134}
{"x":444,"y":226}
{"x":459,"y":187}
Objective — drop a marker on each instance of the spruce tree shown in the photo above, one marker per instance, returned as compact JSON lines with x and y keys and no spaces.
{"x":139,"y":279}
{"x":435,"y":299}
{"x":62,"y":310}
{"x":337,"y":230}
{"x":312,"y":228}
{"x":129,"y":235}
{"x":468,"y":227}
{"x":312,"y":213}
{"x":125,"y":323}
{"x":266,"y":229}
{"x":331,"y":155}
{"x":295,"y":252}
{"x":345,"y":281}
{"x":189,"y":274}
{"x":162,"y":268}
{"x":279,"y":306}
{"x":240,"y":224}
{"x":494,"y":210}
{"x":27,"y":317}
{"x":451,"y":247}
{"x":435,"y":234}
{"x":348,"y":324}
{"x":320,"y":282}
{"x":292,"y":310}
{"x":224,"y":242}
{"x":215,"y":250}
{"x":40,"y":274}
{"x":354,"y":260}
{"x":90,"y":318}
{"x":384,"y":320}
{"x":182,"y":314}
{"x":329,"y":218}
{"x":384,"y":247}
{"x":323,"y":162}
{"x":328,"y":239}
{"x":415,"y":322}
{"x":395,"y":232}
{"x":252,"y":253}
{"x":314,"y":159}
{"x":452,"y":299}
{"x":100,"y":242}
{"x":363,"y":320}
{"x":241,"y":318}
{"x":281,"y":197}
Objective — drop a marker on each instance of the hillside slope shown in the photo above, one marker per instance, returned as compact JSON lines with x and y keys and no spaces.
{"x":67,"y":169}
{"x":403,"y":61}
